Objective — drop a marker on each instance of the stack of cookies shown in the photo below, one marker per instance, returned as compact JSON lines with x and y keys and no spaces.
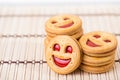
{"x":99,"y":51}
{"x":63,"y":25}
{"x":64,"y":46}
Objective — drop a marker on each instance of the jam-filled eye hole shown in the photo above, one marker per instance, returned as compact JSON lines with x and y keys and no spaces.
{"x":69,"y":49}
{"x":107,"y":41}
{"x":97,"y":36}
{"x":53,"y":22}
{"x":56,"y":47}
{"x":66,"y":18}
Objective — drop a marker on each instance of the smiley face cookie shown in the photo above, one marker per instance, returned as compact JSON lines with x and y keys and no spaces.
{"x":63,"y":54}
{"x":63,"y":24}
{"x":99,"y":51}
{"x":98,"y":42}
{"x":70,"y":25}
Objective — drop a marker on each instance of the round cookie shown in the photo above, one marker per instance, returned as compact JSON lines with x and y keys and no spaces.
{"x":97,"y":60}
{"x":97,"y":69}
{"x":63,"y":54}
{"x":72,"y":33}
{"x":98,"y":64}
{"x":98,"y":42}
{"x":63,"y":24}
{"x":102,"y":54}
{"x":76,"y":35}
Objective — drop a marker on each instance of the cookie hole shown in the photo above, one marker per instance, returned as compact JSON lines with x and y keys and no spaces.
{"x":56,"y":47}
{"x":67,"y":25}
{"x":107,"y":41}
{"x":66,"y":18}
{"x":53,"y":22}
{"x":97,"y":36}
{"x":69,"y":49}
{"x":91,"y":44}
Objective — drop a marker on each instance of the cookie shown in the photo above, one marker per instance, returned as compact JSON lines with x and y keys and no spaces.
{"x":63,"y":54}
{"x":70,"y":34}
{"x":98,"y":42}
{"x":63,"y":24}
{"x":98,"y":64}
{"x":98,"y":51}
{"x":101,"y":54}
{"x":97,"y":60}
{"x":97,"y":69}
{"x":76,"y":35}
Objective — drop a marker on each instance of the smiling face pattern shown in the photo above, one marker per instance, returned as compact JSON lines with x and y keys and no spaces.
{"x":98,"y":42}
{"x":63,"y":54}
{"x":63,"y":24}
{"x":99,"y":51}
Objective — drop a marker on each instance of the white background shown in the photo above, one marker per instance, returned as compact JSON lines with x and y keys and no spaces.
{"x":57,"y":2}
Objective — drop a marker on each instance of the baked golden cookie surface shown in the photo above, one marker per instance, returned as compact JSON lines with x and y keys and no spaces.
{"x":98,"y":64}
{"x":46,"y":42}
{"x":97,"y":61}
{"x":78,"y":34}
{"x":98,"y":42}
{"x":70,"y":34}
{"x":63,"y":24}
{"x":63,"y":54}
{"x":101,"y":54}
{"x":97,"y":69}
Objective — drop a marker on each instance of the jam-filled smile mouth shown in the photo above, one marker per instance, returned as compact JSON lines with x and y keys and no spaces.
{"x":91,"y":44}
{"x":67,"y":25}
{"x":61,"y":62}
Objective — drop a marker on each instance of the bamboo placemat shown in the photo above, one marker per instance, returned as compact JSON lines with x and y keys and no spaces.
{"x":22,"y":40}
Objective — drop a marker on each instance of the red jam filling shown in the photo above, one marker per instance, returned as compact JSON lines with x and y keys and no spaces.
{"x":96,"y":36}
{"x":91,"y":44}
{"x":107,"y":41}
{"x":56,"y":47}
{"x":67,"y":25}
{"x":69,"y":49}
{"x":61,"y":62}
